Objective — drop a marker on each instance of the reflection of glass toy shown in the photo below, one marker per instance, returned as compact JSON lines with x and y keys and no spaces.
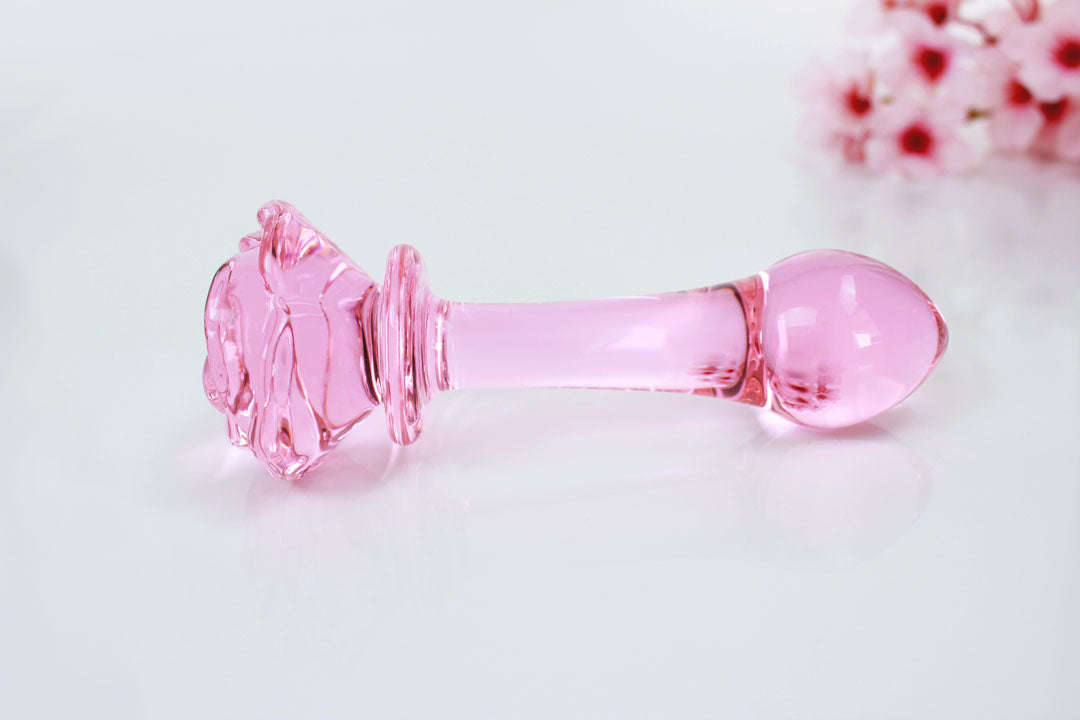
{"x":302,"y":344}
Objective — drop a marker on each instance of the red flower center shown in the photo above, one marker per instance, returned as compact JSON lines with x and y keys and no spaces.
{"x":916,"y":139}
{"x":1017,"y":94}
{"x":857,"y":103}
{"x":938,"y":12}
{"x":932,"y":61}
{"x":1068,"y":53}
{"x":1054,"y":111}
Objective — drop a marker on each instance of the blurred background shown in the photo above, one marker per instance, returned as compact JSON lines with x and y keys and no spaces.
{"x":537,"y":554}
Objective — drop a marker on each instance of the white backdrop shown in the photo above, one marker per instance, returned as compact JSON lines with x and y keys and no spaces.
{"x":537,"y":554}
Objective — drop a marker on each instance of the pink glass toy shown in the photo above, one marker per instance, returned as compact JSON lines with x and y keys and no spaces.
{"x":302,"y":344}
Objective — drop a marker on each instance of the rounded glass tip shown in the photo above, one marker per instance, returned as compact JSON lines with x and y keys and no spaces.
{"x":845,"y":337}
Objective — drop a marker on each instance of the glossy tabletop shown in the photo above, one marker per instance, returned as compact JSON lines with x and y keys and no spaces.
{"x":536,"y":553}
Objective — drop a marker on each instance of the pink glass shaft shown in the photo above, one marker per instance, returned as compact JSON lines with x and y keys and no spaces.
{"x":682,"y":342}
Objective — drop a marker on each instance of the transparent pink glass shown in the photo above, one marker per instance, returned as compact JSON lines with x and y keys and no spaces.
{"x":302,"y":344}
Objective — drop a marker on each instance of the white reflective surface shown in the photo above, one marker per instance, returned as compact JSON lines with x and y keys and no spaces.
{"x":537,"y":554}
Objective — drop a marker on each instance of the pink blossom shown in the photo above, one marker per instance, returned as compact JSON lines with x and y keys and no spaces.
{"x":1026,"y":10}
{"x":938,"y":12}
{"x":1048,"y":51}
{"x":929,"y":61}
{"x":876,"y":15}
{"x":1060,"y":133}
{"x":1020,"y":121}
{"x":840,"y":104}
{"x":1015,"y":116}
{"x":917,"y":142}
{"x":999,"y":21}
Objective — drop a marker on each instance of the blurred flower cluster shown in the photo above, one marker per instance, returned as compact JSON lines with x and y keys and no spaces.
{"x":931,"y":75}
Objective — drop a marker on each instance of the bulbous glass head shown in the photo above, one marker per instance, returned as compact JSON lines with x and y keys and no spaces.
{"x":845,"y":337}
